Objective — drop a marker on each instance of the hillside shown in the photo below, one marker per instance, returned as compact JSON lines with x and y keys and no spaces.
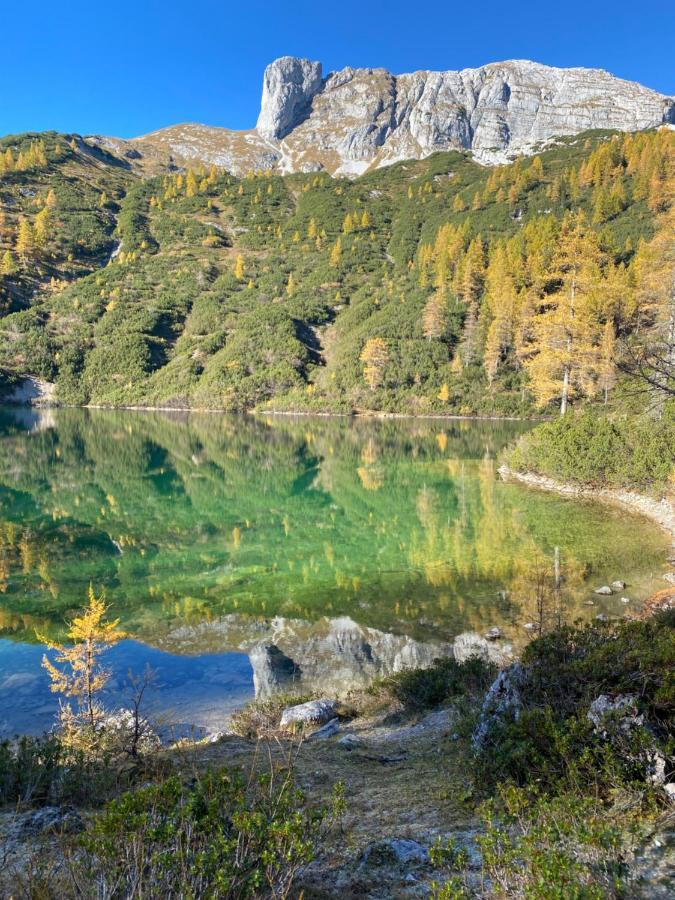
{"x":431,"y":286}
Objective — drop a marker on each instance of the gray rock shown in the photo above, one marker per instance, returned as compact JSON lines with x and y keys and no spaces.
{"x":289,"y":84}
{"x":502,"y":701}
{"x":625,"y":599}
{"x":669,"y":577}
{"x":618,"y":585}
{"x":47,"y":820}
{"x":356,"y":119}
{"x":605,"y":590}
{"x":350,"y":741}
{"x":493,"y":634}
{"x":328,"y":730}
{"x":669,"y":790}
{"x":607,"y":714}
{"x":395,"y":852}
{"x":314,"y":712}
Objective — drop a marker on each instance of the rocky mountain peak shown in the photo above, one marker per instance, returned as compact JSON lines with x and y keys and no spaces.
{"x":289,"y":84}
{"x":354,"y":120}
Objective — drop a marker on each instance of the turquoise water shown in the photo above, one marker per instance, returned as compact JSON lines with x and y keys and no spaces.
{"x":247,"y":555}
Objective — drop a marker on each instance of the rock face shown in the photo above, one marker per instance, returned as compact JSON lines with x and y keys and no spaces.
{"x":288,"y":88}
{"x":357,"y":119}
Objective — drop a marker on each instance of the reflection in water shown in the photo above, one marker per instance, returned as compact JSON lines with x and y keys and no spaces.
{"x":328,"y":550}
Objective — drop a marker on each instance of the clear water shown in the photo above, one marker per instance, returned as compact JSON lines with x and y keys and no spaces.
{"x":248,"y":555}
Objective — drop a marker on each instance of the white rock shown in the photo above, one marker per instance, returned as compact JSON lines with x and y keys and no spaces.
{"x":605,"y":590}
{"x":314,"y":712}
{"x":618,"y":585}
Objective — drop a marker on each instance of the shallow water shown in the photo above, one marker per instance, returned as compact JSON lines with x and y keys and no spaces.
{"x":249,"y":555}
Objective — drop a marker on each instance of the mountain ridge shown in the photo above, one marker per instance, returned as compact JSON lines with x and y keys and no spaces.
{"x":358,"y":119}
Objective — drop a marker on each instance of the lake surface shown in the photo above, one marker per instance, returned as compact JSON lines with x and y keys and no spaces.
{"x":252,"y":555}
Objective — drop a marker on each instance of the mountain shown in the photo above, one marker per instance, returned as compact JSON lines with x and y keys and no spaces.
{"x":355,"y":120}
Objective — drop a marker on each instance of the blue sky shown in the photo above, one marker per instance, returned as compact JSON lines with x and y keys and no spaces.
{"x":126,"y":68}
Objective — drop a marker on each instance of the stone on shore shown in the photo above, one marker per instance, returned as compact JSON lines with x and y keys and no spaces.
{"x":314,"y":712}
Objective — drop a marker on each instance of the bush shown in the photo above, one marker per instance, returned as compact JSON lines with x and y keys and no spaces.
{"x":445,"y":680}
{"x":221,"y":836}
{"x":565,"y":848}
{"x":594,"y":450}
{"x":552,"y":743}
{"x":35,"y":771}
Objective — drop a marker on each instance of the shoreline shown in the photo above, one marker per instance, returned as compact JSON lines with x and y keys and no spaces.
{"x":661,"y":512}
{"x":328,"y":414}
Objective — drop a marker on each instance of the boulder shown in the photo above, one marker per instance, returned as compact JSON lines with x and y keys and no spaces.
{"x":395,"y":852}
{"x":607,"y":713}
{"x":605,"y":590}
{"x":618,"y":585}
{"x":493,"y":634}
{"x":502,"y":701}
{"x":327,"y":730}
{"x":314,"y":712}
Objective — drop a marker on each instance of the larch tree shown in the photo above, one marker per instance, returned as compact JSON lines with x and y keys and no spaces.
{"x":567,"y":327}
{"x":25,"y":240}
{"x":374,"y":356}
{"x":77,"y":672}
{"x":434,"y":318}
{"x":501,"y":305}
{"x":607,"y":361}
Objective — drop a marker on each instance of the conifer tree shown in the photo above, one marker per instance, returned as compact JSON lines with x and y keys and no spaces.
{"x":375,"y":356}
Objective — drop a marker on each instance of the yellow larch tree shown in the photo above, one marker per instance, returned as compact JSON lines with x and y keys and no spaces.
{"x":375,"y":356}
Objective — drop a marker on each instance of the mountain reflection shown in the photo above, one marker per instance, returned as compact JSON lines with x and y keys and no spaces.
{"x":187,"y":519}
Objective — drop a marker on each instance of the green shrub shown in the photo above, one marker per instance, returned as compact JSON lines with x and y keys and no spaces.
{"x":35,"y":771}
{"x":552,"y":743}
{"x":444,"y":680}
{"x":220,"y":836}
{"x":595,"y":450}
{"x":566,"y":848}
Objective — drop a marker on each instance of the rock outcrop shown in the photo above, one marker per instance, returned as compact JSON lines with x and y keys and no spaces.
{"x":358,"y":119}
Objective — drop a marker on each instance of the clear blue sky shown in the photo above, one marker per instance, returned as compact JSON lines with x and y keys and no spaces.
{"x":126,"y":68}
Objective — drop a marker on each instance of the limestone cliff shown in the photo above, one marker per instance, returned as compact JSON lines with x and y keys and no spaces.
{"x":357,"y":119}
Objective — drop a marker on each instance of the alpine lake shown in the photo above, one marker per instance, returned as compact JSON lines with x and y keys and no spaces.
{"x":247,"y":555}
